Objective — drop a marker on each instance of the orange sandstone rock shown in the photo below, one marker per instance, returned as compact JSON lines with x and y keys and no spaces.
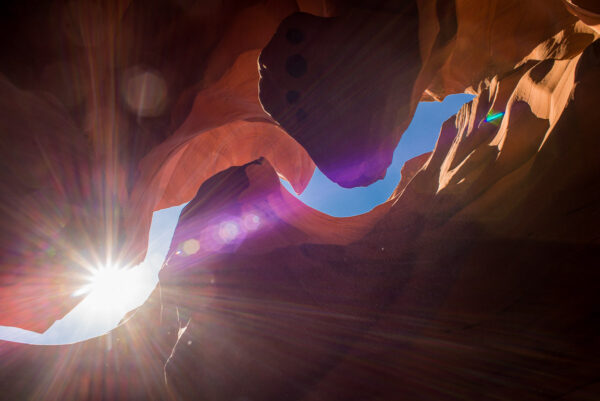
{"x":475,"y":280}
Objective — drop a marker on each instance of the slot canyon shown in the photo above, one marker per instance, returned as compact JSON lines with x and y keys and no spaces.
{"x":476,"y":280}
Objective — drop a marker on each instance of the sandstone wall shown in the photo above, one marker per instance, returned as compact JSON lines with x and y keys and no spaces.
{"x":475,"y":280}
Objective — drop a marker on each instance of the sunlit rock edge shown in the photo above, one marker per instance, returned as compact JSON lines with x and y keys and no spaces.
{"x":479,"y":262}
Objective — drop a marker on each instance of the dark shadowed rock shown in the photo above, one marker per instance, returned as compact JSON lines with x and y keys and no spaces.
{"x":476,"y":280}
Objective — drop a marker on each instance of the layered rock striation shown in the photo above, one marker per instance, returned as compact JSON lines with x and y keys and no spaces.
{"x":475,"y":280}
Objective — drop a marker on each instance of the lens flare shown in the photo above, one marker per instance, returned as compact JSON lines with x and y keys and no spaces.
{"x":191,"y":246}
{"x":228,"y":231}
{"x":251,"y":221}
{"x":111,"y":288}
{"x":493,"y":116}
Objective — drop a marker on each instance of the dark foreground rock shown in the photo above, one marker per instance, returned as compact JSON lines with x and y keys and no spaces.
{"x":477,"y":279}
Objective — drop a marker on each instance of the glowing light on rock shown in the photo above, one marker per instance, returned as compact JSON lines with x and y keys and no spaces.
{"x":191,"y":246}
{"x":494,"y":116}
{"x":145,"y":92}
{"x":251,"y":221}
{"x":228,"y":231}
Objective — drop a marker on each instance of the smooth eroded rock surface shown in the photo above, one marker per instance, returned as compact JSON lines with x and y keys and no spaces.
{"x":477,"y":279}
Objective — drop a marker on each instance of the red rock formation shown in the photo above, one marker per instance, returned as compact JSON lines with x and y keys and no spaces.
{"x":319,"y":99}
{"x":475,"y":280}
{"x":44,"y":177}
{"x":586,"y":10}
{"x":82,"y":109}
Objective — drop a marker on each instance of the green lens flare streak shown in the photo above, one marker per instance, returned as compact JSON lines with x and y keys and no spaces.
{"x":494,"y":116}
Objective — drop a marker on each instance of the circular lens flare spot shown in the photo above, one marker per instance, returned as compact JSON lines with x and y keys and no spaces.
{"x":191,"y":246}
{"x":251,"y":221}
{"x":228,"y":231}
{"x":145,"y":92}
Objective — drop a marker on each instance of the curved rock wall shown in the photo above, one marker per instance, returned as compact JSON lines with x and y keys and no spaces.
{"x":475,"y":280}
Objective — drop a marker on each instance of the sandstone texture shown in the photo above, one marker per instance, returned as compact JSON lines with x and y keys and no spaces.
{"x":476,"y":280}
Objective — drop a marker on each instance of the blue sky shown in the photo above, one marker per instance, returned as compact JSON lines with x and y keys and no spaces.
{"x":419,"y":138}
{"x":87,"y":320}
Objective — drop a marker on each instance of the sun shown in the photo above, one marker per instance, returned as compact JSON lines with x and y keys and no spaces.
{"x":112,"y":288}
{"x":108,"y":285}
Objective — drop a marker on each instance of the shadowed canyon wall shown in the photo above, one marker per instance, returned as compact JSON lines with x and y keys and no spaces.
{"x":475,"y":280}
